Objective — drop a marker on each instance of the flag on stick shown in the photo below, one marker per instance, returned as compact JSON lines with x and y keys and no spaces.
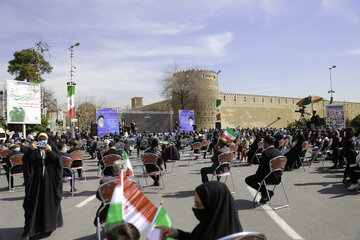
{"x":161,"y":219}
{"x":229,"y":135}
{"x":129,"y":170}
{"x":218,"y":109}
{"x":71,"y":101}
{"x":129,"y":204}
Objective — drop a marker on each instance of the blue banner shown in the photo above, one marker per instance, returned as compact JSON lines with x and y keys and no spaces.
{"x":186,"y":120}
{"x":108,"y":121}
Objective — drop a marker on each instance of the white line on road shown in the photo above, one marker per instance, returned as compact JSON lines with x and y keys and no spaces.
{"x":277,"y":219}
{"x":86,"y":201}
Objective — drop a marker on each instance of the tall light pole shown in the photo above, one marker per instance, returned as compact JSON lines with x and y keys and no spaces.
{"x":71,"y":91}
{"x":331,"y":91}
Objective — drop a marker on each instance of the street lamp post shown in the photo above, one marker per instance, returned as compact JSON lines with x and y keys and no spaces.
{"x":331,"y":91}
{"x":71,"y":91}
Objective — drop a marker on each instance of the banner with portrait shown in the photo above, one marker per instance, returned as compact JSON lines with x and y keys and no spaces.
{"x":186,"y":120}
{"x":107,"y":121}
{"x":335,"y":116}
{"x":23,"y":102}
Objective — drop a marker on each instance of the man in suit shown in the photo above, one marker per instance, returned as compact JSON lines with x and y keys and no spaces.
{"x":220,"y":148}
{"x":254,"y":181}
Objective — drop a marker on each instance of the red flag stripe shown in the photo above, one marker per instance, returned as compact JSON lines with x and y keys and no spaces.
{"x":141,"y":203}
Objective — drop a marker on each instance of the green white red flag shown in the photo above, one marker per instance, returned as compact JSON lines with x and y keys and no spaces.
{"x":129,"y":204}
{"x":129,"y":170}
{"x":71,"y":101}
{"x":161,"y":219}
{"x":218,"y":109}
{"x":229,"y":135}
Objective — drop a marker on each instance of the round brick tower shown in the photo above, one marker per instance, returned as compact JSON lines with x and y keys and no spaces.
{"x":197,"y":90}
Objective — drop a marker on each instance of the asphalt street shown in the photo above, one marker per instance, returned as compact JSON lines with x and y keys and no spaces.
{"x":320,"y":205}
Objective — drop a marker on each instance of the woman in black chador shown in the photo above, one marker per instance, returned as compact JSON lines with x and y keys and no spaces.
{"x":43,"y":188}
{"x":215,"y":209}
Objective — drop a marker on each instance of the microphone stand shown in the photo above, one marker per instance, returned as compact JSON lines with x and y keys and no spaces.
{"x":273,"y":122}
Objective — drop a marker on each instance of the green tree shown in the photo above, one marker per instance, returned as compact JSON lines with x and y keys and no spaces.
{"x":355,"y":122}
{"x":29,"y":64}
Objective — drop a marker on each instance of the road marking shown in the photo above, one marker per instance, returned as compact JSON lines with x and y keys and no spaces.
{"x":86,"y":201}
{"x":277,"y":219}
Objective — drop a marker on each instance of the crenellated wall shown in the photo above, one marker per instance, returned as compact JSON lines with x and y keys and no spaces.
{"x":242,"y":110}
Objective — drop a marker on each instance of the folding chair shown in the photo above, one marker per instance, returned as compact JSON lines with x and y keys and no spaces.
{"x":105,"y":191}
{"x":233,"y":149}
{"x":15,"y":163}
{"x":77,"y":156}
{"x":303,"y":158}
{"x":204,"y":147}
{"x":277,"y":164}
{"x":258,"y":152}
{"x":196,"y":146}
{"x":244,"y":236}
{"x":3,"y":155}
{"x":326,"y":152}
{"x":66,"y":162}
{"x":149,"y":159}
{"x":223,"y":170}
{"x":108,"y":162}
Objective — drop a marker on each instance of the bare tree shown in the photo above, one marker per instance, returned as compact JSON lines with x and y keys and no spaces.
{"x":86,"y":112}
{"x":184,"y":86}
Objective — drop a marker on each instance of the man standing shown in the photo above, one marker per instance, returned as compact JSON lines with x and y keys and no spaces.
{"x":43,"y":188}
{"x":254,"y":181}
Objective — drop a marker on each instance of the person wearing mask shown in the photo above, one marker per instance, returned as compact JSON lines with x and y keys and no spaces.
{"x":43,"y":176}
{"x":214,"y":207}
{"x":67,"y":172}
{"x":263,"y":170}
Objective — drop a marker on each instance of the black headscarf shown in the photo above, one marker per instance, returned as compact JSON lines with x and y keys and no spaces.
{"x":221,"y":216}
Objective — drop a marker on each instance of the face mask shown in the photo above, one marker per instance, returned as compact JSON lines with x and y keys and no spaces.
{"x":200,"y":214}
{"x":42,"y":143}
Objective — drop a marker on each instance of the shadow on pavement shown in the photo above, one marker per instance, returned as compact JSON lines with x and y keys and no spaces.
{"x":89,"y":237}
{"x":85,"y":193}
{"x":13,"y":199}
{"x":11,"y":233}
{"x":339,"y":190}
{"x":180,"y":194}
{"x":243,"y":204}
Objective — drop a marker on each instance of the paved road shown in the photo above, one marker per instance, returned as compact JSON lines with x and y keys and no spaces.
{"x":321,"y":207}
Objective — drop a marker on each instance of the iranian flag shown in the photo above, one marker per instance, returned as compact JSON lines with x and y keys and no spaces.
{"x":163,"y":142}
{"x":218,"y":109}
{"x":129,"y":204}
{"x":161,"y":219}
{"x":229,"y":135}
{"x":129,"y":170}
{"x":71,"y":101}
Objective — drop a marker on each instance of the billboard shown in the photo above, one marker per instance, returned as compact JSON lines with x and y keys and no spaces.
{"x":335,"y":116}
{"x":186,"y":120}
{"x":108,"y":121}
{"x":23,"y":102}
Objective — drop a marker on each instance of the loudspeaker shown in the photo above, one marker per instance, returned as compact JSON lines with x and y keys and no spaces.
{"x":94,"y":129}
{"x":218,"y":125}
{"x":194,"y":127}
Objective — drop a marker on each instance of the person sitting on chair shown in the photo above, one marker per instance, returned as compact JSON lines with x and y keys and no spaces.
{"x":112,"y":150}
{"x":254,"y":181}
{"x":19,"y":168}
{"x":154,"y":143}
{"x":66,"y":172}
{"x":219,"y":149}
{"x":74,"y":147}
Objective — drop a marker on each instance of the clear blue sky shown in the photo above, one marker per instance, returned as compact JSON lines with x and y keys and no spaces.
{"x":264,"y":47}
